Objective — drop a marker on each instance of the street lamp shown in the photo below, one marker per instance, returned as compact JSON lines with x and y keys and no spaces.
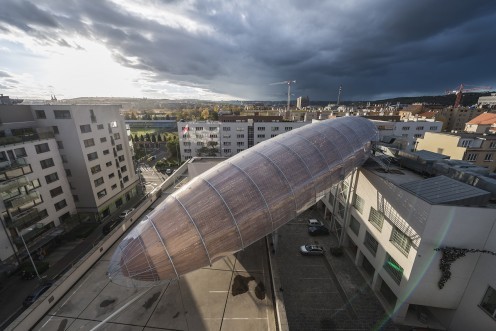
{"x":29,"y":254}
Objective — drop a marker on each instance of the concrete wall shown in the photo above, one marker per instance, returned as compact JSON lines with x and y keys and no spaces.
{"x":442,"y":143}
{"x":469,"y":316}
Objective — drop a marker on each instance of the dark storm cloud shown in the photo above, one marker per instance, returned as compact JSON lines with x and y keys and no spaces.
{"x":4,"y":74}
{"x":374,"y":48}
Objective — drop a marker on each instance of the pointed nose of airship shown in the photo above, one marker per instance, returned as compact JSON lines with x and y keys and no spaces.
{"x":140,"y":263}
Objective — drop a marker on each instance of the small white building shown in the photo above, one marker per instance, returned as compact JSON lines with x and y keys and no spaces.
{"x":406,"y":132}
{"x":393,"y":223}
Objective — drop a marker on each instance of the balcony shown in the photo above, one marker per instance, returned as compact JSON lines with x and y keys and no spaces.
{"x":26,"y":137}
{"x":13,"y":184}
{"x":14,"y":169}
{"x":24,"y":219}
{"x":22,"y":200}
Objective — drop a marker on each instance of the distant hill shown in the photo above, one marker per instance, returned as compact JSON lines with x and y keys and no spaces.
{"x":468,"y":99}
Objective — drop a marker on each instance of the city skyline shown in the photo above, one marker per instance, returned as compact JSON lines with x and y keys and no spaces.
{"x":234,"y":51}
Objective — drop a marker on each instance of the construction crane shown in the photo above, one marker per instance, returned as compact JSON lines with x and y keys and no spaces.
{"x":289,"y":82}
{"x":463,"y":88}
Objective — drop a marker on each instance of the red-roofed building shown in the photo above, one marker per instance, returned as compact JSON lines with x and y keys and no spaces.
{"x":484,"y":123}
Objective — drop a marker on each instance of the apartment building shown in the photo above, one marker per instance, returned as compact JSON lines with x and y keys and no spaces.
{"x":484,"y":123}
{"x":393,"y":222}
{"x":480,"y":149}
{"x":406,"y":132}
{"x":230,"y":135}
{"x":453,"y":118}
{"x":57,"y":161}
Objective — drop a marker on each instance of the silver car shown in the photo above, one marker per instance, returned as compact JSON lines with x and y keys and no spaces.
{"x":312,"y":250}
{"x":314,"y":222}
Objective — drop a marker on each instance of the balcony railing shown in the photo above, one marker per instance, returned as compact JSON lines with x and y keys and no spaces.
{"x":21,"y":200}
{"x":14,"y":169}
{"x":9,"y":140}
{"x":24,"y":219}
{"x":13,"y":183}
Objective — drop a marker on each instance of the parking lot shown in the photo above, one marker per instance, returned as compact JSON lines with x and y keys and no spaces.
{"x":323,"y":292}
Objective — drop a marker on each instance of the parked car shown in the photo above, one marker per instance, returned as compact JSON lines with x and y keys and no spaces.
{"x":30,"y":299}
{"x":168,"y":171}
{"x":318,"y":230}
{"x":124,"y":214}
{"x":312,"y":250}
{"x":314,"y":222}
{"x":107,"y":227}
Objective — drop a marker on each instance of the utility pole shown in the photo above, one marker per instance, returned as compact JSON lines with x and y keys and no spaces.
{"x":289,"y":82}
{"x":339,"y":93}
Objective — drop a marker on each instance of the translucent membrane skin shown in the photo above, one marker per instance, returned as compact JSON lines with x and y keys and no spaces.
{"x":241,"y":200}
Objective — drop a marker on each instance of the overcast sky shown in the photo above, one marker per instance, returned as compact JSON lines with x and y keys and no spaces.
{"x":235,"y":49}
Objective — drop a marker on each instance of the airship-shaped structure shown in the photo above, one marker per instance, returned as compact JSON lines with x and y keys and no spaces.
{"x":241,"y":200}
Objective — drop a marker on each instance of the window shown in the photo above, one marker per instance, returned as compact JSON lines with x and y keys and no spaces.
{"x":123,"y":169}
{"x":274,"y":128}
{"x":228,"y":150}
{"x":240,"y":129}
{"x":240,"y":143}
{"x":417,"y":135}
{"x":121,"y":158}
{"x":99,"y":126}
{"x":68,"y":172}
{"x":89,"y":142}
{"x":108,"y":164}
{"x":42,"y":148}
{"x":240,"y":136}
{"x":199,"y":128}
{"x":187,"y":143}
{"x":114,"y":186}
{"x":466,"y":143}
{"x":376,"y":218}
{"x":226,"y":128}
{"x":393,"y":269}
{"x":102,"y":140}
{"x":62,"y":114}
{"x":260,"y":136}
{"x":125,"y":179}
{"x":187,"y":150}
{"x":288,"y":128}
{"x":113,"y":124}
{"x":106,"y":152}
{"x":92,"y":156}
{"x":40,"y":114}
{"x":117,"y":136}
{"x":92,"y":116}
{"x":273,"y":135}
{"x":488,"y":157}
{"x":212,"y":128}
{"x":119,"y":147}
{"x":354,"y":225}
{"x":199,"y":143}
{"x":55,"y":129}
{"x":51,"y":178}
{"x":20,"y":152}
{"x":59,"y":205}
{"x":226,"y":143}
{"x":401,"y":241}
{"x":43,"y":214}
{"x":213,"y":136}
{"x":405,"y":128}
{"x":440,"y":150}
{"x":341,"y":210}
{"x":419,"y":128}
{"x":359,"y":203}
{"x":112,"y":175}
{"x":60,"y":144}
{"x":85,"y":128}
{"x":102,"y":193}
{"x":433,"y":128}
{"x":471,"y":157}
{"x":488,"y":303}
{"x":239,"y":150}
{"x":261,"y":128}
{"x":98,"y":181}
{"x":56,"y":191}
{"x":64,"y":158}
{"x":492,"y":145}
{"x":96,"y":169}
{"x":226,"y":136}
{"x":370,"y":243}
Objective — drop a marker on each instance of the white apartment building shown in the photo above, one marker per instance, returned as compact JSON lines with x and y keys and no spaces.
{"x":406,"y":132}
{"x":57,"y":161}
{"x":393,"y":222}
{"x":229,"y":136}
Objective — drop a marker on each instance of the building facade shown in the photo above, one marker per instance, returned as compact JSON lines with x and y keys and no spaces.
{"x":58,"y":162}
{"x":480,"y":149}
{"x":230,"y":135}
{"x":393,"y":222}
